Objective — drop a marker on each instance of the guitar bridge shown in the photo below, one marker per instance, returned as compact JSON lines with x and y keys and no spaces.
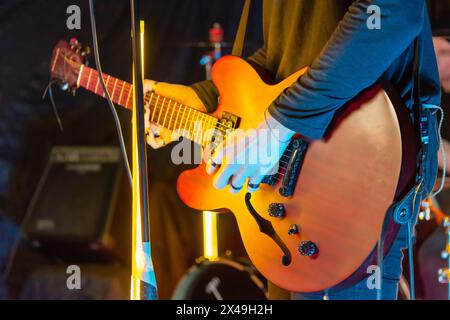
{"x":227,"y":123}
{"x":290,"y":172}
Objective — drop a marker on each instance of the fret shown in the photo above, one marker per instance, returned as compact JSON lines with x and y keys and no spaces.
{"x":156,"y":106}
{"x":89,"y":78}
{"x":205,"y":122}
{"x":176,"y":119}
{"x":171,"y":115}
{"x":189,"y":123}
{"x":128,"y":98}
{"x":193,"y":124}
{"x":182,"y":121}
{"x":201,"y":127}
{"x":161,"y":109}
{"x":114,"y":89}
{"x":208,"y":128}
{"x":165,"y":116}
{"x":149,"y":102}
{"x":106,"y":85}
{"x":121,"y":91}
{"x":79,"y":75}
{"x":205,"y":129}
{"x":96,"y":84}
{"x":197,"y":126}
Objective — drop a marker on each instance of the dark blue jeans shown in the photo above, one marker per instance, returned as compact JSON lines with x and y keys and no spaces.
{"x":392,"y":271}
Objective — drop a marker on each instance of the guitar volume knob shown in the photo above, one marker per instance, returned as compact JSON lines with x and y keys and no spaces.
{"x":308,"y":248}
{"x":276,"y":210}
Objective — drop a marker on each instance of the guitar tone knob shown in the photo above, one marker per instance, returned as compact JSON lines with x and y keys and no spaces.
{"x":308,"y":248}
{"x":276,"y":210}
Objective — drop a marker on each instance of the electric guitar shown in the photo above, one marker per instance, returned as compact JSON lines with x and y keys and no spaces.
{"x":311,"y":225}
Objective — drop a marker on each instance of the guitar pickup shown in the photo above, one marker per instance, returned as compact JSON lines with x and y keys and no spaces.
{"x":298,"y":149}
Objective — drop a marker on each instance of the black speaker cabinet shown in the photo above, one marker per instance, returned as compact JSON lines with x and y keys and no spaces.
{"x":71,"y":212}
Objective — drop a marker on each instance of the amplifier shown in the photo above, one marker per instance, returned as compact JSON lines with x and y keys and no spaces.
{"x":72,"y":209}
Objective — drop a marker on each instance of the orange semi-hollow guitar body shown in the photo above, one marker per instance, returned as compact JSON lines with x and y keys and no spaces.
{"x":344,"y":189}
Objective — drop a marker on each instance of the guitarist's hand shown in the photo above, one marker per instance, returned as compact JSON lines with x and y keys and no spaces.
{"x":157,"y":136}
{"x":249,"y":155}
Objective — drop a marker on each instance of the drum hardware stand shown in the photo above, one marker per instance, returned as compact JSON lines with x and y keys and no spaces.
{"x":143,"y":278}
{"x":216,"y":39}
{"x":143,"y":283}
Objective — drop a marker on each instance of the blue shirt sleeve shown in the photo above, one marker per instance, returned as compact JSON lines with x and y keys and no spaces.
{"x":354,"y":58}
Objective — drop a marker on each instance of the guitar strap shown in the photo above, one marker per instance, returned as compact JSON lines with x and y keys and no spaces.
{"x":238,"y":46}
{"x":405,"y":211}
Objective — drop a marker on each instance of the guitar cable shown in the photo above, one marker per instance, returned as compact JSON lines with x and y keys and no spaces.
{"x":49,"y":90}
{"x":107,"y":96}
{"x":441,"y":145}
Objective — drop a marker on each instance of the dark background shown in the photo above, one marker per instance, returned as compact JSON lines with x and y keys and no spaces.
{"x":28,"y":129}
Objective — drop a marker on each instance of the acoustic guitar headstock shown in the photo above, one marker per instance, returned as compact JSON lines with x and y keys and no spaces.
{"x":66,"y":62}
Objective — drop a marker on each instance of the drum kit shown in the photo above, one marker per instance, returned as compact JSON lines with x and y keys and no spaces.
{"x":221,"y":279}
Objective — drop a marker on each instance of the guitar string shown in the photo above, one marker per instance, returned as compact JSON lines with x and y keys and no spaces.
{"x":209,"y":121}
{"x":166,"y":109}
{"x":128,"y":89}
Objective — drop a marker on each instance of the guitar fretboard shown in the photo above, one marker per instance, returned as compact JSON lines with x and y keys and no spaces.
{"x":188,"y":122}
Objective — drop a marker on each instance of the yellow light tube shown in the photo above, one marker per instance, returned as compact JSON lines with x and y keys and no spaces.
{"x":138,"y":256}
{"x":210,"y":250}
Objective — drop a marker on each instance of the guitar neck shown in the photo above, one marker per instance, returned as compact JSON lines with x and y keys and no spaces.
{"x":188,"y":122}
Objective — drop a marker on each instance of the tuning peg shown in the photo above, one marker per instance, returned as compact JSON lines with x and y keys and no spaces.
{"x":73,"y":42}
{"x":85,"y":51}
{"x":75,"y":45}
{"x":63,"y":85}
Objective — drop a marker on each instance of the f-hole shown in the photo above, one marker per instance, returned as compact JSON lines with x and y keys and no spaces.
{"x":266,"y":227}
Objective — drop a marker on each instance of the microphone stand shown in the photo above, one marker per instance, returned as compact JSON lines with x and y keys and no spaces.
{"x":144,"y":282}
{"x":215,"y":39}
